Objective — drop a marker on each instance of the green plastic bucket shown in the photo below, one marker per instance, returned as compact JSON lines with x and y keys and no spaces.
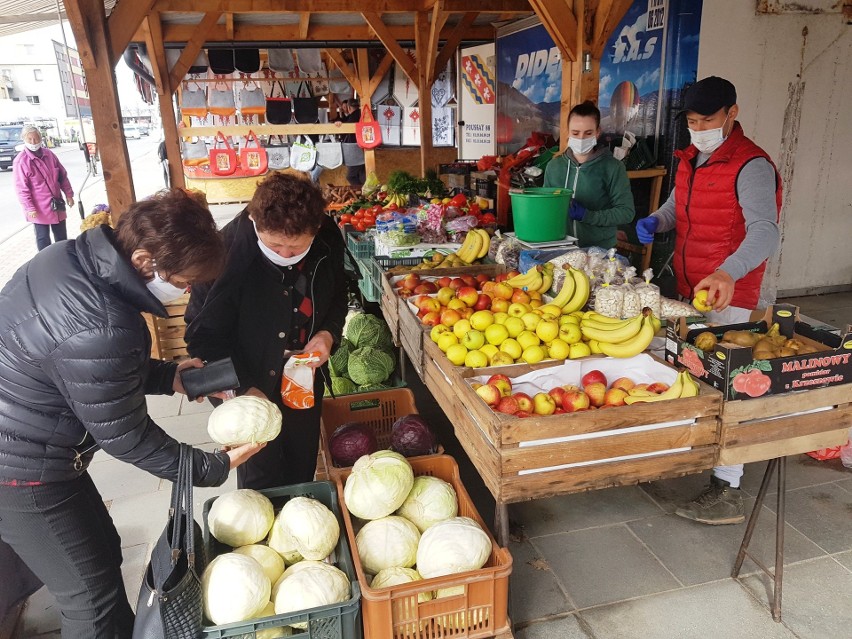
{"x":541,"y":214}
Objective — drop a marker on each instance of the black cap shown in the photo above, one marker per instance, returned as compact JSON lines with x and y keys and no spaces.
{"x":707,"y":96}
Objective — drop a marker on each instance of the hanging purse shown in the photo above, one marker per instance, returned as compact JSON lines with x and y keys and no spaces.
{"x":310,"y":61}
{"x":247,"y":60}
{"x":305,"y":107}
{"x":353,"y":154}
{"x":280,"y":60}
{"x":368,"y":133}
{"x":252,"y":101}
{"x":303,"y":154}
{"x":197,"y":68}
{"x":170,"y":604}
{"x":253,"y":159}
{"x":278,"y":155}
{"x":279,"y":110}
{"x":223,"y":161}
{"x":329,"y":152}
{"x":193,"y":101}
{"x":221,"y":61}
{"x":195,"y":153}
{"x":221,"y":100}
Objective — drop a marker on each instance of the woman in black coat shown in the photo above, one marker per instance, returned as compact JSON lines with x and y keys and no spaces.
{"x":283,"y":289}
{"x":74,"y":371}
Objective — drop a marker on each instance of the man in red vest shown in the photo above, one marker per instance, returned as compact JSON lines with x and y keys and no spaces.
{"x":725,"y":209}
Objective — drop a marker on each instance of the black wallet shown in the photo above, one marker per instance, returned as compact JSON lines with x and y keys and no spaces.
{"x":213,"y":377}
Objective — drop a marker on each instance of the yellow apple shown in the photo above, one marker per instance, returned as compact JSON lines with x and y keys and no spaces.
{"x":456,"y":304}
{"x":558,"y":349}
{"x":461,"y":327}
{"x":512,"y":348}
{"x":481,"y":320}
{"x":534,"y":354}
{"x":445,"y":294}
{"x":578,"y":350}
{"x":473,"y":340}
{"x":551,"y":309}
{"x":437,"y":331}
{"x":489,"y":350}
{"x":517,"y":310}
{"x":446,"y":340}
{"x":456,"y":354}
{"x":496,"y":333}
{"x":500,"y":317}
{"x":476,"y":359}
{"x":547,"y":330}
{"x":531,"y":320}
{"x":515,"y":326}
{"x":568,"y":319}
{"x":570,"y":333}
{"x":501,"y":359}
{"x":536,"y":303}
{"x":527,"y":339}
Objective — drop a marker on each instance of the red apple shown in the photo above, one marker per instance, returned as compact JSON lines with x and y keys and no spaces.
{"x":429,"y":304}
{"x":502,"y":277}
{"x":411,"y":281}
{"x":443,"y":281}
{"x":470,"y":280}
{"x":503,"y":386}
{"x":559,"y":411}
{"x":488,"y":288}
{"x":520,"y":297}
{"x":450,"y":317}
{"x":508,"y":405}
{"x":431,"y":318}
{"x":571,"y":388}
{"x":482,"y":278}
{"x":624,"y":383}
{"x":658,"y":387}
{"x":456,"y":283}
{"x":522,"y":414}
{"x":483,"y":302}
{"x":592,"y":377}
{"x":525,"y":402}
{"x":575,"y":400}
{"x":596,"y":392}
{"x":499,"y":306}
{"x":466,"y":313}
{"x":543,"y":404}
{"x":500,"y":376}
{"x":615,"y":397}
{"x":512,"y":273}
{"x":490,"y":394}
{"x":426,"y":287}
{"x":557,"y":394}
{"x":468,"y":294}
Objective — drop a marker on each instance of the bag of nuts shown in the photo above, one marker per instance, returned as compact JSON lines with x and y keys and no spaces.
{"x":649,"y":294}
{"x":610,"y":298}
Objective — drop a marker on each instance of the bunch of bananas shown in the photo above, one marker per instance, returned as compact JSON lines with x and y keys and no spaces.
{"x":475,"y":246}
{"x":574,"y":292}
{"x":684,"y":386}
{"x":619,"y":338}
{"x":399,"y":199}
{"x":538,"y":278}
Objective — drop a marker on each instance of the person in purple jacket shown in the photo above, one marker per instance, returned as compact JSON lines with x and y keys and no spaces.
{"x":40,"y":182}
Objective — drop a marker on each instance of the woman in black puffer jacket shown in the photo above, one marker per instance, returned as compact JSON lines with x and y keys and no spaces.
{"x":74,"y":371}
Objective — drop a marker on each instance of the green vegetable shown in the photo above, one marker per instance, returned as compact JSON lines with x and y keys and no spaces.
{"x":364,"y":329}
{"x":369,"y":388}
{"x":339,"y":362}
{"x":342,"y":386}
{"x":370,"y":365}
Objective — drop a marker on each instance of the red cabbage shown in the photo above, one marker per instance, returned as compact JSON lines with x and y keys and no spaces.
{"x":351,"y":441}
{"x":411,"y":436}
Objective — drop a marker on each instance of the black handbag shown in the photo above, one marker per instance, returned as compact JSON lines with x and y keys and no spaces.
{"x":213,"y":377}
{"x":278,"y":109}
{"x":170,"y":604}
{"x":305,"y":107}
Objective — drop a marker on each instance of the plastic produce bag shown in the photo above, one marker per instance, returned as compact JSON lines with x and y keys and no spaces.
{"x":649,"y":294}
{"x":610,"y":299}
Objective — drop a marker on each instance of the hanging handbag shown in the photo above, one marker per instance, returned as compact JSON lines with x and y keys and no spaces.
{"x":253,"y":160}
{"x":303,"y":154}
{"x":170,"y":604}
{"x":368,"y":133}
{"x":196,"y":68}
{"x":247,"y":60}
{"x":353,"y":154}
{"x":329,"y":152}
{"x":305,"y":107}
{"x":221,"y":61}
{"x":195,"y":153}
{"x":279,"y":110}
{"x":280,"y":60}
{"x":277,"y":155}
{"x":223,"y":161}
{"x":339,"y":85}
{"x":193,"y":101}
{"x":221,"y":100}
{"x":252,"y":101}
{"x":310,"y":61}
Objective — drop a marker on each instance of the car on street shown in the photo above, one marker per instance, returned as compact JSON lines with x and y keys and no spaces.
{"x":132,"y":132}
{"x":10,"y":137}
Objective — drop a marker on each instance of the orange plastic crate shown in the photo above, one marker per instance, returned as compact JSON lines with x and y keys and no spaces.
{"x":479,"y":609}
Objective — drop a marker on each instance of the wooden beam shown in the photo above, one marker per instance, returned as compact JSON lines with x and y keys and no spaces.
{"x":123,"y":22}
{"x":459,"y":32}
{"x":607,"y":17}
{"x":336,"y":56}
{"x":387,"y":38}
{"x":229,"y":26}
{"x":290,"y":32}
{"x":436,"y":23}
{"x":165,"y":97}
{"x":193,"y":46}
{"x":424,"y":88}
{"x":304,"y":24}
{"x":88,"y":23}
{"x":382,"y":69}
{"x":366,"y":97}
{"x":561,"y":23}
{"x":338,"y":6}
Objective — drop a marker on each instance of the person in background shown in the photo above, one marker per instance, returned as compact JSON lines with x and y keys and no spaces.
{"x":40,"y":182}
{"x":724,"y":237}
{"x":601,"y":198}
{"x":283,"y":289}
{"x":164,"y":161}
{"x":356,"y":174}
{"x":75,"y":367}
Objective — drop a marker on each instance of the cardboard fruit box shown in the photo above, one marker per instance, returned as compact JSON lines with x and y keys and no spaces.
{"x":734,"y":371}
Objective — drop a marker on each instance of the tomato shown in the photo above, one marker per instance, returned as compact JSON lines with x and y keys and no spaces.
{"x":474,"y":209}
{"x":360,"y":226}
{"x":346,"y":218}
{"x":459,"y":200}
{"x":376,"y":209}
{"x":358,"y":214}
{"x":392,"y":206}
{"x":369,"y":220}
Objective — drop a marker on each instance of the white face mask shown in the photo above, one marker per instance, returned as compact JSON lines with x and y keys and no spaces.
{"x":163,"y":290}
{"x":32,"y":147}
{"x":581,"y":146}
{"x":276,"y":259}
{"x":709,"y":140}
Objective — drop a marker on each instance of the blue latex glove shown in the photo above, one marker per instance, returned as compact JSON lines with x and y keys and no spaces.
{"x":576,"y":210}
{"x":645,"y":229}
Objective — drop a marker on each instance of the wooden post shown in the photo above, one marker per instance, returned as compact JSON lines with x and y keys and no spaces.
{"x":152,"y":27}
{"x":363,"y":66}
{"x":88,"y":23}
{"x":424,"y":88}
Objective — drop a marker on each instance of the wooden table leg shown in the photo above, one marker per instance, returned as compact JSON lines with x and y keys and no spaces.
{"x":501,"y":523}
{"x":778,"y":574}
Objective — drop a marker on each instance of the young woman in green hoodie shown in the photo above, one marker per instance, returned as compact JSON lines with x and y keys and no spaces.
{"x":602,"y":198}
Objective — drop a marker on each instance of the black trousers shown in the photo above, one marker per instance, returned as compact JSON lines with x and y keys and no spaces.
{"x":356,"y":175}
{"x":64,"y":534}
{"x":42,"y":233}
{"x":291,"y":458}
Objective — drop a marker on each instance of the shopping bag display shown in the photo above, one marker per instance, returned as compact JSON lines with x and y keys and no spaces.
{"x":196,"y":68}
{"x":193,"y":100}
{"x":368,"y":133}
{"x":223,"y":159}
{"x":253,"y":158}
{"x":279,"y":109}
{"x":252,"y":101}
{"x":221,"y":100}
{"x":303,"y":154}
{"x":329,"y":152}
{"x":195,"y":153}
{"x":277,"y":153}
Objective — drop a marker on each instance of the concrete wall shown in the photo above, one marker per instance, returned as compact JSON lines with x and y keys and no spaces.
{"x":793,"y":74}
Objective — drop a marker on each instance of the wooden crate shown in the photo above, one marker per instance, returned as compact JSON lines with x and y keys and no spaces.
{"x":412,"y":334}
{"x":575,"y":451}
{"x":167,"y":333}
{"x":787,"y":424}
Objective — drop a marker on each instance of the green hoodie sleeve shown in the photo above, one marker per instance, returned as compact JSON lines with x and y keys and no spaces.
{"x":622,"y":209}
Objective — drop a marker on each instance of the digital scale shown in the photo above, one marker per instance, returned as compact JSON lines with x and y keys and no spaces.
{"x":567,"y":241}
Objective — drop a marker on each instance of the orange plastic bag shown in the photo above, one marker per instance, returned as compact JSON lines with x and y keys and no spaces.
{"x":297,"y":382}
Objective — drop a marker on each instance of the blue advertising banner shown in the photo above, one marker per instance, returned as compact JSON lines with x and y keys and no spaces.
{"x":529,"y":81}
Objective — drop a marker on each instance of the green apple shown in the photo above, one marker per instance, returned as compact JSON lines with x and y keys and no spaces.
{"x":531,"y":320}
{"x":446,"y":340}
{"x":518,"y":310}
{"x":534,"y":354}
{"x":500,"y":318}
{"x":473,"y":340}
{"x":501,"y":359}
{"x":578,"y":350}
{"x":570,"y":333}
{"x":568,"y":319}
{"x":437,"y":331}
{"x":461,"y":327}
{"x":515,"y":326}
{"x":558,"y":349}
{"x":476,"y":359}
{"x":547,"y":330}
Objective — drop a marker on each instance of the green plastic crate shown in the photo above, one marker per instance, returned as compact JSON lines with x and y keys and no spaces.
{"x":361,"y":245}
{"x":370,"y":288}
{"x":337,"y":621}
